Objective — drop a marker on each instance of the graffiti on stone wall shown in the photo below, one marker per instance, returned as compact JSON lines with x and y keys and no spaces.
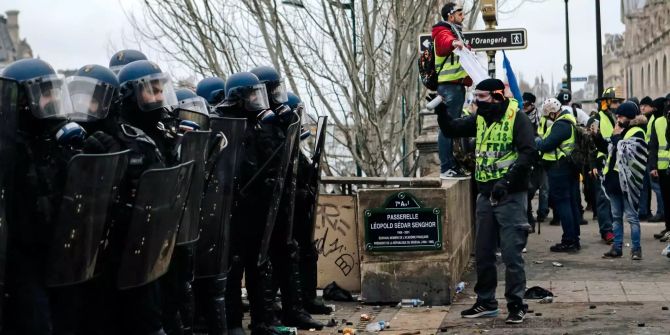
{"x":335,"y":239}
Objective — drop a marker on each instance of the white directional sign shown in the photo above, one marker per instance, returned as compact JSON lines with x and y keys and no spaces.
{"x":483,"y":40}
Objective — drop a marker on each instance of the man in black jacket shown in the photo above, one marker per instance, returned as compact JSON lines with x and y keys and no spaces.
{"x":505,"y":151}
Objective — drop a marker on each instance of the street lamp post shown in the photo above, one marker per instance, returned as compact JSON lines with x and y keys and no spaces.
{"x":599,"y":51}
{"x":568,"y":66}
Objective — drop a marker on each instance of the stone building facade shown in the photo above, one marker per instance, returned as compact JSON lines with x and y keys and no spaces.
{"x":12,"y":47}
{"x":642,"y":66}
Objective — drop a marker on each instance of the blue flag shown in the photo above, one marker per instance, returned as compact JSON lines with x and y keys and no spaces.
{"x":511,"y":80}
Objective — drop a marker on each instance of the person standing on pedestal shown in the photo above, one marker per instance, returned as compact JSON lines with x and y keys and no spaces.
{"x":452,"y":80}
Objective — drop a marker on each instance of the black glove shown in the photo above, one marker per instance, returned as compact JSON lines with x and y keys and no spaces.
{"x":499,"y":191}
{"x":100,"y":143}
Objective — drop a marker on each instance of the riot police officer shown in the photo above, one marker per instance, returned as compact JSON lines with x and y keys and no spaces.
{"x":304,"y":218}
{"x":284,"y":249}
{"x":149,"y":192}
{"x":192,"y":112}
{"x":48,"y":262}
{"x":259,"y":171}
{"x":123,"y":57}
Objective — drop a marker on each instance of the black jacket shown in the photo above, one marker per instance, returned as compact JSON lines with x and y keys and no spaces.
{"x":523,"y":141}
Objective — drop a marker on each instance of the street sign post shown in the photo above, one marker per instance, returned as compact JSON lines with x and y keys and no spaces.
{"x":485,"y":40}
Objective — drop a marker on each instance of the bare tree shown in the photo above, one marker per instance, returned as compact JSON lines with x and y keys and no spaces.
{"x":354,"y":61}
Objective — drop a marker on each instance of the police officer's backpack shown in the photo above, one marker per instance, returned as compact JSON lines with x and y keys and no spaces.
{"x":427,"y":70}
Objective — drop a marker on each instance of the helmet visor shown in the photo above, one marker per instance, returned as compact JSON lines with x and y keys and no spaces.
{"x":199,"y":118}
{"x":278,"y":93}
{"x":48,"y":97}
{"x":257,"y":98}
{"x":154,"y":91}
{"x":197,"y":104}
{"x":91,"y":98}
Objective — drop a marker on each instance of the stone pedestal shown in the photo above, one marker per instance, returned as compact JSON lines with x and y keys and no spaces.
{"x":427,"y":275}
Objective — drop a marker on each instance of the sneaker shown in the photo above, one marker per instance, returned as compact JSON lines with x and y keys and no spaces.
{"x":636,"y":255}
{"x":661,"y":234}
{"x":524,"y":250}
{"x":613,"y":253}
{"x":478,"y":311}
{"x":609,"y":237}
{"x":565,"y":247}
{"x":463,"y":171}
{"x":665,"y":237}
{"x":451,"y":173}
{"x":657,"y":218}
{"x":516,"y":316}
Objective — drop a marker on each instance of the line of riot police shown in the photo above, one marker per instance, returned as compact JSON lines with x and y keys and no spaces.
{"x":130,"y":207}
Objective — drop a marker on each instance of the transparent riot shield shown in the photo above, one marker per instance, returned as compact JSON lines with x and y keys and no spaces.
{"x":223,"y":164}
{"x":193,"y":148}
{"x":152,"y":232}
{"x":88,"y":194}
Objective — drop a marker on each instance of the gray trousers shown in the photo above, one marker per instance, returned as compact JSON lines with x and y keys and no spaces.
{"x":508,"y":224}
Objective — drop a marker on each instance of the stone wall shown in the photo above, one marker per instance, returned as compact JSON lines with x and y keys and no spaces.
{"x":427,"y":275}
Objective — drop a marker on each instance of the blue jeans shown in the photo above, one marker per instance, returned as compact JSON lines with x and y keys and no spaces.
{"x":454,"y":98}
{"x":543,"y":199}
{"x":645,"y":196}
{"x":563,"y":191}
{"x":621,"y":207}
{"x":603,"y":209}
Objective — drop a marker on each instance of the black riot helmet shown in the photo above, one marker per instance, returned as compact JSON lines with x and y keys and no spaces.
{"x":274,"y":84}
{"x":124,"y":57}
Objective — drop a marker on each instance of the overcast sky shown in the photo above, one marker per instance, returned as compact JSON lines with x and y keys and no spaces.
{"x":72,"y":33}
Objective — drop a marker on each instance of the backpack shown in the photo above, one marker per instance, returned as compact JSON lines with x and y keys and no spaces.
{"x":427,"y":70}
{"x":584,"y":146}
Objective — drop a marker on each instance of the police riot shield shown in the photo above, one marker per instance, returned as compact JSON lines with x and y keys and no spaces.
{"x":193,"y":148}
{"x":152,"y":231}
{"x":284,"y":155}
{"x":8,"y":124}
{"x":290,"y":186}
{"x":312,"y":177}
{"x":90,"y":186}
{"x":222,"y":166}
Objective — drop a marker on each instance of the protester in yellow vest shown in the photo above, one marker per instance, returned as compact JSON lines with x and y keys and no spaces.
{"x":659,"y":162}
{"x":651,"y":109}
{"x":504,"y":152}
{"x":602,"y":128}
{"x":556,"y":145}
{"x":624,"y":171}
{"x":452,"y":79}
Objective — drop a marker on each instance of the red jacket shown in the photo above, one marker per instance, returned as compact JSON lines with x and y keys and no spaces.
{"x":443,"y":37}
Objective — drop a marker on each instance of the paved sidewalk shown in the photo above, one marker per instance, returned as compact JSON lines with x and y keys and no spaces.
{"x":592,"y":295}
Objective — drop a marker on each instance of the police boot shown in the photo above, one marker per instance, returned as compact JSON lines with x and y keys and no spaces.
{"x":215,"y":306}
{"x":308,"y":281}
{"x":294,"y":313}
{"x":187,"y":303}
{"x":267,"y":321}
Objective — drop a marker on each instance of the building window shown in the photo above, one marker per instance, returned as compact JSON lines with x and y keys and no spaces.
{"x":630,"y":81}
{"x":648,"y":78}
{"x":656,"y":74}
{"x":642,"y":78}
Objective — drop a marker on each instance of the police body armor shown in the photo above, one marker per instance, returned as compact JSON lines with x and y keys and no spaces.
{"x":194,"y":146}
{"x":152,"y":231}
{"x":8,"y":125}
{"x":91,"y":186}
{"x":213,"y":245}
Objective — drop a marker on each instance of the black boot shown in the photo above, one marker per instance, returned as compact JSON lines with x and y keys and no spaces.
{"x":308,"y":281}
{"x":263,"y":318}
{"x":212,"y":305}
{"x":294,"y":313}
